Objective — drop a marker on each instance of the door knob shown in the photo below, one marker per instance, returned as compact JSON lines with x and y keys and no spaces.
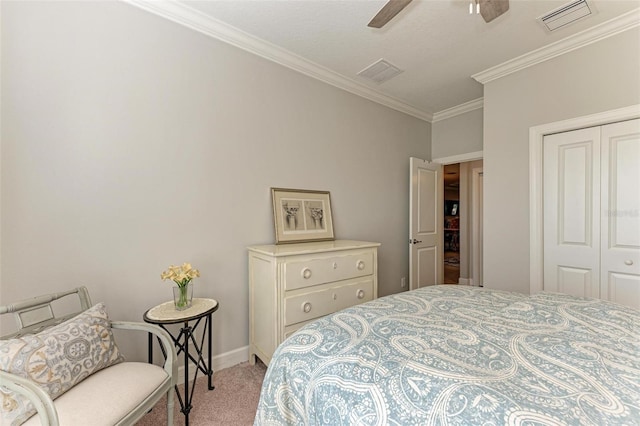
{"x":414,"y":241}
{"x":628,"y":262}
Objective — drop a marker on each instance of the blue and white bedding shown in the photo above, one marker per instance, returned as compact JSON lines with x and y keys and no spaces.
{"x":462,"y":356}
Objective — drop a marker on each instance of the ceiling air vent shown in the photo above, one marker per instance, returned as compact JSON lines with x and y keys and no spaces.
{"x":565,"y":15}
{"x":380,"y":71}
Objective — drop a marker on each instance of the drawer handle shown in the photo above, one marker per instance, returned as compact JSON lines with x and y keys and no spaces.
{"x":360,"y":265}
{"x":628,"y":262}
{"x":306,"y":273}
{"x":360,"y":294}
{"x":306,"y":307}
{"x":335,"y":265}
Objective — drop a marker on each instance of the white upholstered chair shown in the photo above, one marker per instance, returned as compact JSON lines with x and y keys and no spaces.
{"x":119,"y":394}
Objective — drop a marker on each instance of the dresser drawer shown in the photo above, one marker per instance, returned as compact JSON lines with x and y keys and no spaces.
{"x":315,"y":304}
{"x":314,"y":271}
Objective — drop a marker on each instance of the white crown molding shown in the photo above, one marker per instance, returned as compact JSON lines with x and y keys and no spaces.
{"x":460,"y":158}
{"x":205,"y":24}
{"x":599,"y":32}
{"x":458,"y":109}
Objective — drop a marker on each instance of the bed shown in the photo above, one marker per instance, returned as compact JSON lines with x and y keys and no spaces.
{"x":460,"y":355}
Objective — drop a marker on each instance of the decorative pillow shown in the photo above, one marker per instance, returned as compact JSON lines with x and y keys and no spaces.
{"x":57,"y":359}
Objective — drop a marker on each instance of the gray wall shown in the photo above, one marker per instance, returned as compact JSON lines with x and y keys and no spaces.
{"x":596,"y":78}
{"x":460,"y":134}
{"x":130,"y":143}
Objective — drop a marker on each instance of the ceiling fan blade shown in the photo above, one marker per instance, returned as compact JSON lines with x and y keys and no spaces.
{"x":491,"y":9}
{"x":391,"y":9}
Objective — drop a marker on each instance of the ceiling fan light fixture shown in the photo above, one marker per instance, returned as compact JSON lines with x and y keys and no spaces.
{"x":491,"y":9}
{"x":388,"y":12}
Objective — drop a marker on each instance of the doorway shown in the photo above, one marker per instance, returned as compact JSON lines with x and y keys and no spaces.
{"x":462,"y":222}
{"x":451,"y":225}
{"x":430,"y":216}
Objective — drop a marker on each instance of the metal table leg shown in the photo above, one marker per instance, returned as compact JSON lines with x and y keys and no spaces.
{"x":210,"y":368}
{"x":187,"y":401}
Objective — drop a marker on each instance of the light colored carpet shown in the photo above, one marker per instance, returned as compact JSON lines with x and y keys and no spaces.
{"x":233,"y":401}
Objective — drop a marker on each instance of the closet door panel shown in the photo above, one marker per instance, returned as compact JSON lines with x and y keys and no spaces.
{"x":624,"y":289}
{"x":575,"y":281}
{"x":620,"y":212}
{"x":571,"y":212}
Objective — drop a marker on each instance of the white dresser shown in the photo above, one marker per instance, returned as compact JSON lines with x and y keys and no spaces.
{"x":293,"y":284}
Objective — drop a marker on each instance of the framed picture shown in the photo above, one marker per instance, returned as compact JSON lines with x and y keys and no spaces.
{"x":302,"y":215}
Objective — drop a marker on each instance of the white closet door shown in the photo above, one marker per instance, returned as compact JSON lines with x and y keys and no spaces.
{"x":620,"y":213}
{"x":571,"y":212}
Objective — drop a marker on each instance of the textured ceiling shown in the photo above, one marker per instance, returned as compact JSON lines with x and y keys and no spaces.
{"x":437,"y":43}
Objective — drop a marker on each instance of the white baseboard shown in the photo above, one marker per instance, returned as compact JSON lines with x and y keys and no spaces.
{"x":464,"y":281}
{"x":219,"y":362}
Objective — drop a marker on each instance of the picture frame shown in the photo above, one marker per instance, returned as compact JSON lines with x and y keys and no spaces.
{"x":302,"y":215}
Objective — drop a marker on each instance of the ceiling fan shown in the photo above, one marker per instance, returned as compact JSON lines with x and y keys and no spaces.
{"x":489,"y":9}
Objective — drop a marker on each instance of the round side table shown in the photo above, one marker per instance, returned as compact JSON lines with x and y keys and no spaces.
{"x":165,"y":314}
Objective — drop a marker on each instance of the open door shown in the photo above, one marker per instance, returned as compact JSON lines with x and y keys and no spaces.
{"x":426,"y":216}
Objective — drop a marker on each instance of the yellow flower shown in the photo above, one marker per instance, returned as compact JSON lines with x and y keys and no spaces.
{"x":181,"y":275}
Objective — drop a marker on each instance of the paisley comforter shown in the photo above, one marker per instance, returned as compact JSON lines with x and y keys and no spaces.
{"x":462,"y":356}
